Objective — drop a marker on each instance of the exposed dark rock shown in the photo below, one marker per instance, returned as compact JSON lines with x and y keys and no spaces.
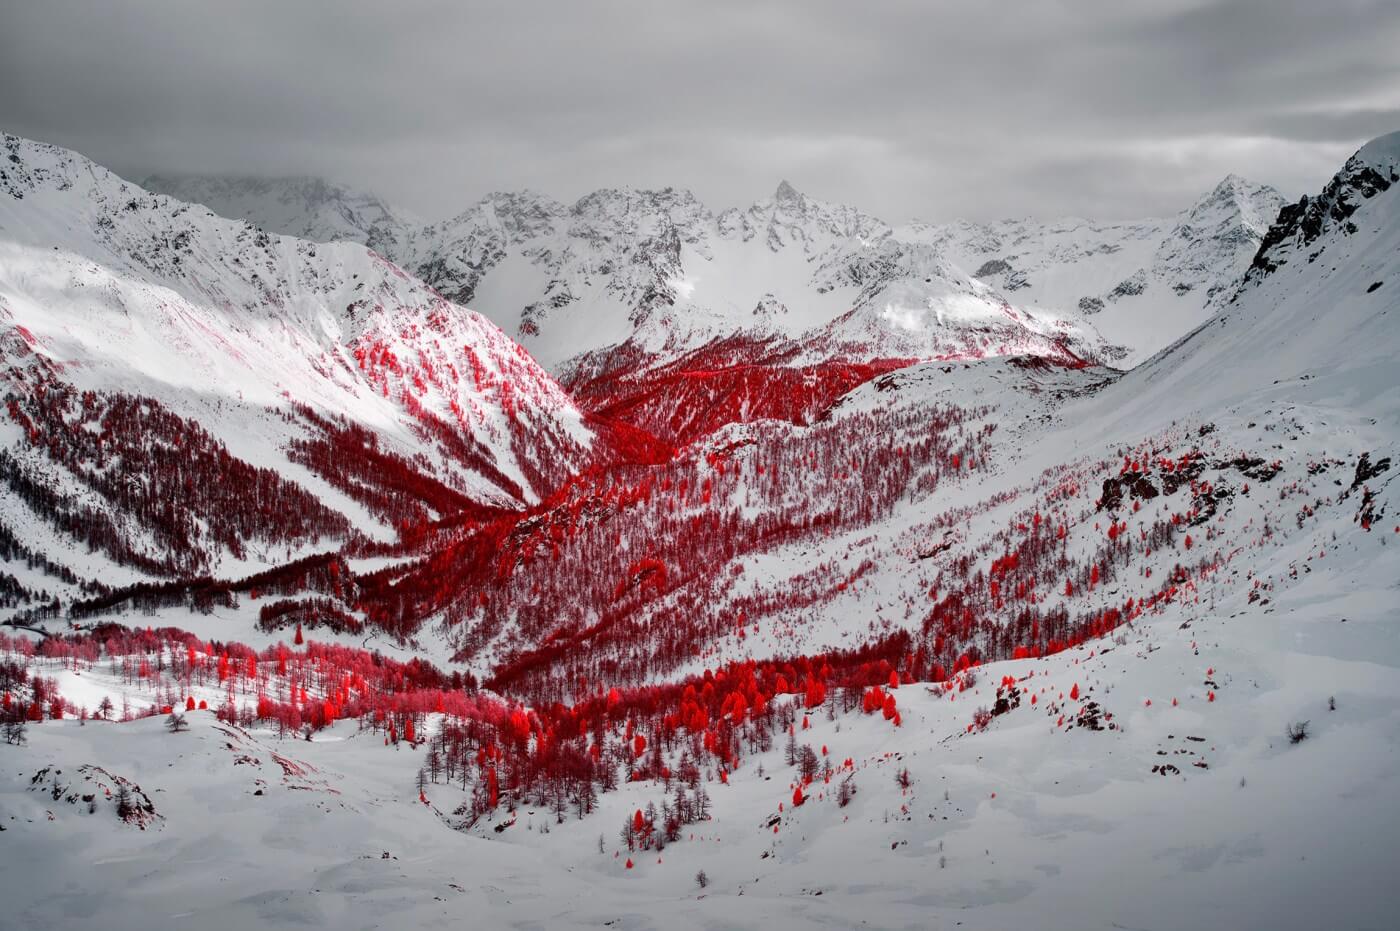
{"x":1303,"y":222}
{"x":1252,"y":467}
{"x":1365,"y":470}
{"x":1131,"y":286}
{"x":1134,"y":484}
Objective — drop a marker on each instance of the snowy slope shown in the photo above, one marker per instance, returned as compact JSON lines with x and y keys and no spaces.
{"x":1315,"y":319}
{"x":1297,"y":368}
{"x":107,"y":288}
{"x":1141,"y":283}
{"x":1024,"y":825}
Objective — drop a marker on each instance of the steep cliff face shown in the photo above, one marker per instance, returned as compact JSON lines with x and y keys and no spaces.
{"x":1370,"y":172}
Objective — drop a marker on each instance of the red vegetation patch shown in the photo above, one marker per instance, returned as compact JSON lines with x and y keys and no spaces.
{"x":735,"y":380}
{"x":163,"y":472}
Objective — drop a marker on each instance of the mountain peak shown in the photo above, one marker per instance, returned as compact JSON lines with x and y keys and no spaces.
{"x":1234,"y":182}
{"x":787,"y":194}
{"x":610,"y":199}
{"x":1237,"y":201}
{"x":1240,"y":188}
{"x":525,"y":200}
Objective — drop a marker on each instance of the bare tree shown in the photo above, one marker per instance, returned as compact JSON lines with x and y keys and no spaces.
{"x":846,"y":791}
{"x":125,"y":807}
{"x":15,"y":731}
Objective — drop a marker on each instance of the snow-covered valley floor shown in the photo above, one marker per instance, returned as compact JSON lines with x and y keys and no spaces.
{"x":1024,"y":825}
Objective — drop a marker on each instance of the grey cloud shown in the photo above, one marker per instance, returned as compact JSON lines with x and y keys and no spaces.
{"x":905,"y":108}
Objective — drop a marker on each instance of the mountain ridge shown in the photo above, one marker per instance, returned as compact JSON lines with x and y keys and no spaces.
{"x":281,"y":349}
{"x":617,"y":256}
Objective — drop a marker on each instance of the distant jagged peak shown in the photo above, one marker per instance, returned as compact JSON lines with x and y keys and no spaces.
{"x":613,"y":200}
{"x":790,"y":217}
{"x":1235,"y":212}
{"x":603,"y":214}
{"x":522,"y":214}
{"x":523,"y":202}
{"x":787,"y":201}
{"x":614,"y":212}
{"x":1250,"y":202}
{"x":1243,"y":195}
{"x":1235,"y":185}
{"x":786,"y":195}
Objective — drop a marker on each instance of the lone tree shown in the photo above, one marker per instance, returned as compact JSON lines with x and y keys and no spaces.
{"x":125,"y":807}
{"x":1298,"y":732}
{"x":846,"y":791}
{"x":176,"y":723}
{"x":15,"y":728}
{"x":701,"y":879}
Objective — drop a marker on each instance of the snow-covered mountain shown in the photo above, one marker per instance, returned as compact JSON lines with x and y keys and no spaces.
{"x":1315,"y":316}
{"x":322,"y":362}
{"x":659,"y":273}
{"x":656,"y":274}
{"x":304,"y":207}
{"x":1141,"y":283}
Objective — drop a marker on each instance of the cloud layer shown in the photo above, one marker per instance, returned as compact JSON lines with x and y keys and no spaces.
{"x":927,"y":108}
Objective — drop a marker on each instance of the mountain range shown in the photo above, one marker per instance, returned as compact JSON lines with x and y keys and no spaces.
{"x":660,"y":271}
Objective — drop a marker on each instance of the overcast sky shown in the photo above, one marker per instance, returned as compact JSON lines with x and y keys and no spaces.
{"x":927,"y":108}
